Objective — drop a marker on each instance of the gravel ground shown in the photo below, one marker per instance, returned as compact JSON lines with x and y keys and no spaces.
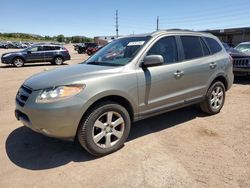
{"x":182,"y":148}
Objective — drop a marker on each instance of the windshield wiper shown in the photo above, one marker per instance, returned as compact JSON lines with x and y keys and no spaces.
{"x":94,"y":62}
{"x":103,"y":63}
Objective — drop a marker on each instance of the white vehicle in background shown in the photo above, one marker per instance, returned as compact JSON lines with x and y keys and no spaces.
{"x":244,"y":47}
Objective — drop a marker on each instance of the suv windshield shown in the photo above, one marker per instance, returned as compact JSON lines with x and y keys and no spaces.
{"x":243,"y":47}
{"x":119,"y":52}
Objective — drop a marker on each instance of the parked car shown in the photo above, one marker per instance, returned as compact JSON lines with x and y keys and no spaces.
{"x":85,"y":46}
{"x":93,"y":50}
{"x":241,"y":61}
{"x":76,"y":46}
{"x":244,"y":47}
{"x":96,"y":101}
{"x":37,"y":53}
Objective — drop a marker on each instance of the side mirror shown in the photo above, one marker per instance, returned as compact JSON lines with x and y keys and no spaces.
{"x":28,"y":52}
{"x":153,"y":60}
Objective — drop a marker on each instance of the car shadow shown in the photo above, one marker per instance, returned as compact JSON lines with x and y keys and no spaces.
{"x":34,"y":151}
{"x":244,"y":80}
{"x":31,"y":65}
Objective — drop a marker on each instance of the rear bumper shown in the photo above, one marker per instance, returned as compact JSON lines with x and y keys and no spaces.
{"x":66,"y":58}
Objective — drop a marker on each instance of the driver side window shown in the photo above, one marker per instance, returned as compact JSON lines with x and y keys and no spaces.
{"x":34,"y":49}
{"x":166,"y":47}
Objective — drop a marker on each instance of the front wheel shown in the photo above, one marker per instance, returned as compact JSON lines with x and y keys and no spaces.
{"x":18,"y":62}
{"x":214,"y":99}
{"x":104,"y":129}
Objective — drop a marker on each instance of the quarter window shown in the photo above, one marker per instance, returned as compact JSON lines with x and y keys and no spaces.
{"x":192,"y":47}
{"x":204,"y":48}
{"x":166,"y":47}
{"x":213,"y":45}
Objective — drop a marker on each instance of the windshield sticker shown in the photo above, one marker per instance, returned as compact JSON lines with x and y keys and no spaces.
{"x":136,"y":43}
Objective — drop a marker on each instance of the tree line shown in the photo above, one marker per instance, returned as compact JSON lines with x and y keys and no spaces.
{"x":58,"y":38}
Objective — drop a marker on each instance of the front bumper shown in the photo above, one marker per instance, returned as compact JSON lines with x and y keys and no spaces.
{"x":59,"y":119}
{"x":240,"y":71}
{"x":5,"y":60}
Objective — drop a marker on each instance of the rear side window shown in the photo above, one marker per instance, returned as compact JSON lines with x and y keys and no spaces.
{"x":57,"y":48}
{"x":192,"y":47}
{"x":47,"y":48}
{"x":213,"y":45}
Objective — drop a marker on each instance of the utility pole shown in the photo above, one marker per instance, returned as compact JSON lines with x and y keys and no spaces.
{"x":157,"y":23}
{"x":116,"y":24}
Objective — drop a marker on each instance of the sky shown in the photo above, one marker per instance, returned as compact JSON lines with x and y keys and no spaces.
{"x":97,"y":17}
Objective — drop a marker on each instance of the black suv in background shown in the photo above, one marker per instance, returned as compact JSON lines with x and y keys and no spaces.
{"x":85,"y":46}
{"x":55,"y":54}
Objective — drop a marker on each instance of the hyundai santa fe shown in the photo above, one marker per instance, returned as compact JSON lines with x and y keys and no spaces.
{"x":130,"y":79}
{"x":55,"y":54}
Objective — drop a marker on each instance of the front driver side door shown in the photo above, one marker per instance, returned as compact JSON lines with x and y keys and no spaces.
{"x":35,"y":54}
{"x":160,"y":86}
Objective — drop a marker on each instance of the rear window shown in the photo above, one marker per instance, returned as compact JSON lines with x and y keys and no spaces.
{"x":213,"y":45}
{"x":192,"y":47}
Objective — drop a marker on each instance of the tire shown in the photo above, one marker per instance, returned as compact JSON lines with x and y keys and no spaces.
{"x":58,"y":60}
{"x":214,"y":99}
{"x":101,"y":136}
{"x":18,"y":62}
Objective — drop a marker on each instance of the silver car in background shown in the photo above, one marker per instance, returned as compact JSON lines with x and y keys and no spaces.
{"x":130,"y":79}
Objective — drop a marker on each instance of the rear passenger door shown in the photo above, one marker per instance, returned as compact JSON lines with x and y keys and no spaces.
{"x":196,"y":67}
{"x":49,"y":52}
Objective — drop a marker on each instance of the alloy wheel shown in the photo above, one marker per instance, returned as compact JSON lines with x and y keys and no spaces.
{"x":217,"y":97}
{"x":108,"y":129}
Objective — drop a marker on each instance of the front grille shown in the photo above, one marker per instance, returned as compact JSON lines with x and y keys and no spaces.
{"x":23,"y":95}
{"x":241,"y":62}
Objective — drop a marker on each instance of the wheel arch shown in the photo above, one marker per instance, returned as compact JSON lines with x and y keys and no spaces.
{"x":58,"y":55}
{"x":123,"y":101}
{"x":222,"y":79}
{"x":18,"y":56}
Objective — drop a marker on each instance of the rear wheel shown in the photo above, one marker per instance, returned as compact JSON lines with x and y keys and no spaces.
{"x":104,"y":129}
{"x":215,"y":99}
{"x":18,"y":62}
{"x":58,"y":60}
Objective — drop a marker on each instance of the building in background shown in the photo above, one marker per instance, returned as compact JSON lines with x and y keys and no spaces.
{"x":103,"y":40}
{"x":232,"y":36}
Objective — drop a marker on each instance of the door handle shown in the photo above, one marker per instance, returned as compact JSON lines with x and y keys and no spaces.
{"x":178,"y":73}
{"x":213,"y":65}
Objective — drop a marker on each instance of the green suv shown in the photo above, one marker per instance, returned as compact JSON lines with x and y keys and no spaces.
{"x":130,"y":79}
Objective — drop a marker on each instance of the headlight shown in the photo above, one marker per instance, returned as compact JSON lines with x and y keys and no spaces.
{"x":6,"y":55}
{"x":59,"y":93}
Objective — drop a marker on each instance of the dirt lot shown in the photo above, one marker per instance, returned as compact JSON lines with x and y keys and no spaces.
{"x":183,"y":148}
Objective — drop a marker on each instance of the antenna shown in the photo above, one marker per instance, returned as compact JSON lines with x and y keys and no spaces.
{"x":116,"y":24}
{"x":157,"y":24}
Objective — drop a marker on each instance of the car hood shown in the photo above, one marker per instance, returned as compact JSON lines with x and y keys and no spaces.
{"x":69,"y":75}
{"x":235,"y":53}
{"x":16,"y":52}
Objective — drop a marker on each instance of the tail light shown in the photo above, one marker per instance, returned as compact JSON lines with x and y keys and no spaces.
{"x":66,"y":50}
